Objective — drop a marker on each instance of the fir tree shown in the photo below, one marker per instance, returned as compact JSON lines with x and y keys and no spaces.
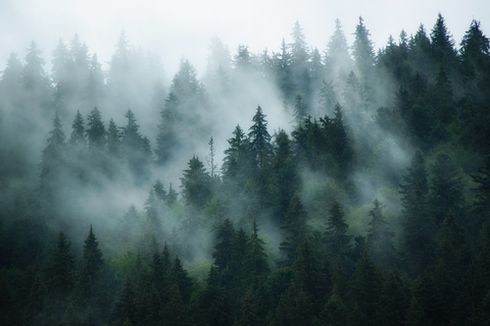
{"x":90,"y":267}
{"x":78,"y":130}
{"x":95,"y":130}
{"x":60,"y":272}
{"x":338,"y":242}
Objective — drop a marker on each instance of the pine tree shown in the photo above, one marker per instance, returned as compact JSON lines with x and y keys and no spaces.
{"x":257,"y":258}
{"x":334,"y":313}
{"x":196,"y":184}
{"x":90,"y":267}
{"x":223,"y":248}
{"x":96,"y":85}
{"x":213,"y":306}
{"x":135,"y":147}
{"x":442,"y":44}
{"x":249,"y":311}
{"x":243,"y":60}
{"x":299,"y":109}
{"x":125,"y":310}
{"x":78,"y":131}
{"x":282,"y":66}
{"x":446,"y":195}
{"x":366,"y":292}
{"x":113,"y":138}
{"x":308,"y":277}
{"x":338,"y":242}
{"x":451,"y":259}
{"x":284,"y":178}
{"x":235,"y":163}
{"x":380,"y":238}
{"x":60,"y":272}
{"x":475,"y":48}
{"x":328,"y":98}
{"x":363,"y":51}
{"x":171,"y":195}
{"x":337,"y":59}
{"x":260,"y":140}
{"x":395,"y":301}
{"x":294,"y":229}
{"x":53,"y":159}
{"x":167,"y":136}
{"x":95,"y":130}
{"x":418,"y":225}
{"x":294,"y":308}
{"x":182,"y":280}
{"x":160,"y":190}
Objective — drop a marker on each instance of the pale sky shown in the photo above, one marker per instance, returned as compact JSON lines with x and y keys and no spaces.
{"x":183,"y":28}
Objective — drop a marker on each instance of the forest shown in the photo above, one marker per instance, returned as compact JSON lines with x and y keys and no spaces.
{"x":347,"y":185}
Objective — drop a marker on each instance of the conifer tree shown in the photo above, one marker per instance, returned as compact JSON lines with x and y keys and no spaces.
{"x":113,"y":138}
{"x":363,"y":50}
{"x":125,"y":310}
{"x":223,"y":248}
{"x":196,"y":184}
{"x":338,"y":242}
{"x":380,"y":238}
{"x":442,"y":44}
{"x":90,"y":267}
{"x":418,"y":225}
{"x":260,"y":140}
{"x":60,"y":272}
{"x":95,"y":130}
{"x":257,"y":258}
{"x":78,"y":130}
{"x":294,"y":229}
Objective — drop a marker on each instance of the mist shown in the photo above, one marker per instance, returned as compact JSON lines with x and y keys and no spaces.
{"x":226,"y":154}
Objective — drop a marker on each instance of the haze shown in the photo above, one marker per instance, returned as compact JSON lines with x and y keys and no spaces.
{"x":176,"y":29}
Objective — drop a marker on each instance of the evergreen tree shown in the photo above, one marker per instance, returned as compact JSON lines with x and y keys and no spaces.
{"x":78,"y":130}
{"x":294,"y":229}
{"x":135,"y":147}
{"x":125,"y":310}
{"x":90,"y":267}
{"x":284,"y":177}
{"x":395,"y":301}
{"x":167,"y":138}
{"x":282,"y":66}
{"x":182,"y":280}
{"x":52,"y":164}
{"x":334,"y":313}
{"x":442,"y":44}
{"x":235,"y":163}
{"x":380,"y":238}
{"x":363,"y":51}
{"x":257,"y":258}
{"x":95,"y":130}
{"x":213,"y":307}
{"x":113,"y":138}
{"x":338,"y":242}
{"x":196,"y":184}
{"x":299,"y":109}
{"x":446,"y":195}
{"x":160,"y":191}
{"x":417,"y":224}
{"x":260,"y":140}
{"x":60,"y":271}
{"x":338,"y":61}
{"x":223,"y":248}
{"x":366,"y":292}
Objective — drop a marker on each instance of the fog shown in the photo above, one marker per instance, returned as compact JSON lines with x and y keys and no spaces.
{"x":176,"y":29}
{"x":190,"y":71}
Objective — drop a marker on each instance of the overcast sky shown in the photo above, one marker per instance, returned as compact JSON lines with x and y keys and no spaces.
{"x":183,"y":28}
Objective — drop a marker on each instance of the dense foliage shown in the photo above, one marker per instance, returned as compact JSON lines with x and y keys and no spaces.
{"x":372,"y":207}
